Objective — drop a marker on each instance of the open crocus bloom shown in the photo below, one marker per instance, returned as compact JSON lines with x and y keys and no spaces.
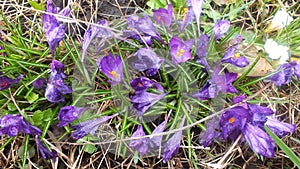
{"x":281,"y":19}
{"x":164,"y":16}
{"x":112,"y":67}
{"x":180,"y":50}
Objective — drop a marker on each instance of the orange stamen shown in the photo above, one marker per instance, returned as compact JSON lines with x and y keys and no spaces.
{"x":179,"y":53}
{"x":231,"y":120}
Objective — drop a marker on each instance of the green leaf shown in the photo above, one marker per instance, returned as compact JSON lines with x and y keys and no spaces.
{"x":36,"y":5}
{"x":32,"y":97}
{"x":89,"y":148}
{"x":11,"y":106}
{"x":155,"y":4}
{"x":294,"y":158}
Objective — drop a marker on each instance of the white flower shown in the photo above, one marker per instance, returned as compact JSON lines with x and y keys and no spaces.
{"x":280,"y":20}
{"x":276,"y":51}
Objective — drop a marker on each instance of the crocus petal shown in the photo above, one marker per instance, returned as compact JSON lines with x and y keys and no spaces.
{"x":67,"y":114}
{"x":296,"y":67}
{"x":211,"y":132}
{"x":46,"y":154}
{"x":220,"y":28}
{"x":284,"y":75}
{"x":6,"y":82}
{"x":144,"y":100}
{"x":259,"y":141}
{"x":38,"y":83}
{"x":143,"y":25}
{"x":201,"y":51}
{"x":280,"y":128}
{"x":276,"y":51}
{"x":280,"y":20}
{"x":145,"y":59}
{"x":112,"y":67}
{"x":96,"y":32}
{"x":155,"y":141}
{"x":188,"y":17}
{"x":140,"y":145}
{"x":164,"y":16}
{"x":89,"y":127}
{"x":141,"y":84}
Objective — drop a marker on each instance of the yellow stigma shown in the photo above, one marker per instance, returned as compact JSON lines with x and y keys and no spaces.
{"x":237,"y":55}
{"x":231,"y":120}
{"x":184,"y":13}
{"x":295,"y":59}
{"x":114,"y":73}
{"x":159,"y":17}
{"x":179,"y":53}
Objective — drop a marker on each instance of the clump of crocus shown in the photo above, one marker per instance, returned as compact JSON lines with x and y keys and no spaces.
{"x":56,"y":88}
{"x":96,"y":32}
{"x":248,"y":120}
{"x":46,"y":154}
{"x":89,"y":127}
{"x":55,"y":30}
{"x":143,"y":100}
{"x":112,"y":67}
{"x":67,"y":114}
{"x":6,"y":82}
{"x":143,"y":29}
{"x":164,"y":16}
{"x":217,"y":83}
{"x":12,"y":124}
{"x":180,"y":50}
{"x":220,"y":28}
{"x":233,"y":57}
{"x":145,"y":59}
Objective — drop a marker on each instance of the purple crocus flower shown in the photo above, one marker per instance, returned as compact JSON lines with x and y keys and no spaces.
{"x":171,"y":147}
{"x":220,"y":28}
{"x":258,"y":140}
{"x":6,"y":82}
{"x":197,"y":9}
{"x":201,"y":51}
{"x":140,"y":145}
{"x":146,"y":60}
{"x":38,"y":83}
{"x":55,"y":31}
{"x":96,"y":32}
{"x":46,"y":154}
{"x":112,"y":67}
{"x":180,"y":50}
{"x":217,"y":83}
{"x":89,"y":127}
{"x":258,"y":114}
{"x":144,"y":26}
{"x":279,"y":128}
{"x":233,"y":121}
{"x":284,"y":75}
{"x":164,"y":16}
{"x":141,"y":84}
{"x":155,"y":141}
{"x":188,"y":17}
{"x":211,"y":132}
{"x":56,"y":88}
{"x":12,"y":124}
{"x":144,"y":100}
{"x":67,"y":114}
{"x":235,"y":58}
